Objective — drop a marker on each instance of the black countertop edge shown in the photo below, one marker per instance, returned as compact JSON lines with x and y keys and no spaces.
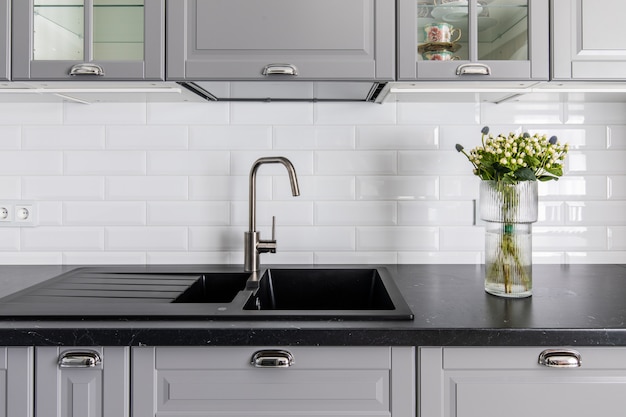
{"x":309,"y":337}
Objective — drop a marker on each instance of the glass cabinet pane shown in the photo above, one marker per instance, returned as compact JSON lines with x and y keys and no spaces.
{"x":503,"y":32}
{"x":442,"y":30}
{"x":58,"y":30}
{"x":118,"y":30}
{"x":489,"y":30}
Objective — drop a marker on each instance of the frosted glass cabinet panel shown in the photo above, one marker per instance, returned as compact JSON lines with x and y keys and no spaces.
{"x":588,"y":40}
{"x":473,"y":39}
{"x":88,"y":39}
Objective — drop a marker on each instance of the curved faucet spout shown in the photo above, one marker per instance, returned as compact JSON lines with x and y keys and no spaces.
{"x":253,"y":244}
{"x":293,"y":180}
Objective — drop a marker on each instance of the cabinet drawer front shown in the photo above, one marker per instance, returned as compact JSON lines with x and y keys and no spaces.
{"x":305,"y":358}
{"x":276,"y":390}
{"x":527,"y":358}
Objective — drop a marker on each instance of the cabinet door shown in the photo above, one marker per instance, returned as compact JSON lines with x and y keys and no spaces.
{"x":338,"y":381}
{"x":476,"y":40}
{"x":491,"y":382}
{"x":86,"y":382}
{"x":16,"y":381}
{"x":88,"y":40}
{"x":588,"y":40}
{"x":5,"y":36}
{"x":286,"y":39}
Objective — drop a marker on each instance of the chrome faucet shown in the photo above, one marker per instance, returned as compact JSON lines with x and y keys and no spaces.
{"x":253,"y":245}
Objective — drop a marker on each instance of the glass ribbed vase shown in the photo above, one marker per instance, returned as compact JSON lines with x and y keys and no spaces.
{"x":509,"y":210}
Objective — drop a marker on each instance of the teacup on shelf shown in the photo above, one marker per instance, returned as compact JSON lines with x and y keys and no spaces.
{"x":442,"y":55}
{"x":441,"y":32}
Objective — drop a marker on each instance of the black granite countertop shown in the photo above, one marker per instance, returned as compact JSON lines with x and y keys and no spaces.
{"x":577,"y":305}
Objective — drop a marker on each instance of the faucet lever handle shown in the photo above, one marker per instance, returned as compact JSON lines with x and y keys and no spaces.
{"x":274,"y":228}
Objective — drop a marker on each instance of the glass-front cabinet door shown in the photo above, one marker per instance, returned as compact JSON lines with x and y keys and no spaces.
{"x":473,"y":40}
{"x":88,"y":39}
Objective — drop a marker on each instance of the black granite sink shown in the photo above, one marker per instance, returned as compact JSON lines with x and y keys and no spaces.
{"x":196,"y":292}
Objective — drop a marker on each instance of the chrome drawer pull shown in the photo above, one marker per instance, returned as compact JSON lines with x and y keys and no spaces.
{"x":280,"y":69}
{"x":80,"y":359}
{"x":272,"y":359}
{"x":560,"y":358}
{"x":473,"y":69}
{"x":87,"y":69}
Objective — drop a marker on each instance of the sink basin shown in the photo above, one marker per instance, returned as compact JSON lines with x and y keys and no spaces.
{"x":214,"y":288}
{"x":200,"y":292}
{"x":321,"y":289}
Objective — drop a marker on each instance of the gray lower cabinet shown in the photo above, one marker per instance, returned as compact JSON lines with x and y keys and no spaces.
{"x":587,"y":37}
{"x":303,"y":381}
{"x":280,"y":39}
{"x":16,"y":381}
{"x":82,"y":381}
{"x":511,"y":381}
{"x":88,"y":40}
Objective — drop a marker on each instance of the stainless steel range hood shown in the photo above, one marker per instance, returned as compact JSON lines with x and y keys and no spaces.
{"x":286,"y":90}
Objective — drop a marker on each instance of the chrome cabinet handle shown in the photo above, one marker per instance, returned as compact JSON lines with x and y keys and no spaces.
{"x":560,"y":358}
{"x":473,"y":69}
{"x":79,"y":359}
{"x":272,"y":359}
{"x":280,"y":69}
{"x":87,"y":69}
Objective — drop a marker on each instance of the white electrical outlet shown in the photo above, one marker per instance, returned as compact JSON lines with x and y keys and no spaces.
{"x":18,"y":213}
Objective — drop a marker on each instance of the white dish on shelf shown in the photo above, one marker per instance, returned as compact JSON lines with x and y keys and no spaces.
{"x":453,"y":12}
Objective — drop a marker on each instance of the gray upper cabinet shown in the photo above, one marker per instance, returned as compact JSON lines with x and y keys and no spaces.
{"x":280,"y":39}
{"x":5,"y":36}
{"x":473,"y":40}
{"x":521,"y":381}
{"x":587,"y":40}
{"x":88,"y":39}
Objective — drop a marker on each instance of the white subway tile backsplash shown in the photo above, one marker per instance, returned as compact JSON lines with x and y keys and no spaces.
{"x":58,"y":187}
{"x":616,"y":137}
{"x":103,"y":213}
{"x":181,"y":213}
{"x":151,"y":238}
{"x":228,"y":188}
{"x":104,"y":113}
{"x":146,"y":137}
{"x":66,"y":238}
{"x":314,"y":137}
{"x":617,"y":187}
{"x":287,"y":213}
{"x":397,"y":188}
{"x":146,"y":187}
{"x":104,"y":162}
{"x":63,"y":137}
{"x":31,"y":163}
{"x":355,"y":162}
{"x":397,"y":137}
{"x":9,"y":239}
{"x":154,"y":183}
{"x":230,"y":137}
{"x":188,"y":163}
{"x":596,"y":213}
{"x":406,"y":238}
{"x":436,"y":213}
{"x":346,"y":213}
{"x":188,"y":113}
{"x":10,"y":137}
{"x":333,"y":188}
{"x":10,"y":188}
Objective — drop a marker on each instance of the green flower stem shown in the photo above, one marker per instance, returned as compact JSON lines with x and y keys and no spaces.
{"x":508,"y":263}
